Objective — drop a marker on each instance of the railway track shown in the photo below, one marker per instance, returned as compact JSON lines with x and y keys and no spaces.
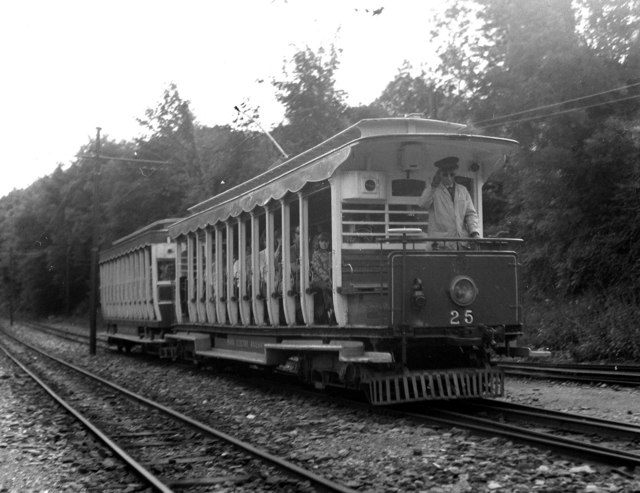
{"x":564,"y":432}
{"x":165,"y":448}
{"x":522,"y":423}
{"x":68,"y":334}
{"x":625,"y":375}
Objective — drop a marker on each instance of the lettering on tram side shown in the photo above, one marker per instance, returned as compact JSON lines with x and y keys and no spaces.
{"x":244,"y":343}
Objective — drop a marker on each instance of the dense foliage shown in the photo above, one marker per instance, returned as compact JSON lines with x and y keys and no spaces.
{"x":561,"y":77}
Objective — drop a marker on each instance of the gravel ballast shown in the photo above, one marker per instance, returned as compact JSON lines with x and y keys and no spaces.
{"x":364,"y":451}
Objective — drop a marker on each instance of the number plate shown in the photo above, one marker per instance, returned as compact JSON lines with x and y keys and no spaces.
{"x":457,"y":317}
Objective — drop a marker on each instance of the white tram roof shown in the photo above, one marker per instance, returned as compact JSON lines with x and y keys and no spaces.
{"x":370,"y":138}
{"x":152,"y":234}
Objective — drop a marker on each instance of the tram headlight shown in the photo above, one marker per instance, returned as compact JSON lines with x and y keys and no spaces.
{"x":463,"y":290}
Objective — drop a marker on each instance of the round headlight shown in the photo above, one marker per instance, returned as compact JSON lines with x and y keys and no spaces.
{"x":463,"y":290}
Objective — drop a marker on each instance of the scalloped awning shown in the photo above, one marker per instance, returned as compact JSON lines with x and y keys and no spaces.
{"x":262,"y":191}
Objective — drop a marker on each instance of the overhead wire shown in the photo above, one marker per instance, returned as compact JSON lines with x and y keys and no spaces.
{"x":482,"y":123}
{"x":547,"y":115}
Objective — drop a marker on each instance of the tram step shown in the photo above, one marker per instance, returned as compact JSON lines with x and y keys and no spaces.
{"x":244,"y":356}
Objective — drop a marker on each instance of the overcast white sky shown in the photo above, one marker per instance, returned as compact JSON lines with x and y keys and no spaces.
{"x":69,"y":66}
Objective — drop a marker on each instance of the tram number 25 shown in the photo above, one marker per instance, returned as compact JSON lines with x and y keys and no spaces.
{"x":457,"y":318}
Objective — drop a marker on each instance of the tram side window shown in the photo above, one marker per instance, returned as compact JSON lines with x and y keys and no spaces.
{"x":363,"y":223}
{"x":407,"y":187}
{"x":165,"y":293}
{"x":166,"y":270}
{"x":468,"y":183}
{"x":403,"y":210}
{"x":368,"y":223}
{"x":407,"y":216}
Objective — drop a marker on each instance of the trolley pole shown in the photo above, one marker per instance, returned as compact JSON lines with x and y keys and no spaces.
{"x":273,"y":141}
{"x":93,"y":297}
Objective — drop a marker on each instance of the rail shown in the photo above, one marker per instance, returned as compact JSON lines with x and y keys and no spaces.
{"x":321,"y":482}
{"x":492,"y":426}
{"x":624,"y":375}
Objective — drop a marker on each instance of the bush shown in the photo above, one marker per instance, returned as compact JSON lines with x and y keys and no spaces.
{"x":589,"y":328}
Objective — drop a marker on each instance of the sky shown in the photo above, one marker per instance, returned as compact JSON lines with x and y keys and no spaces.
{"x":69,"y":66}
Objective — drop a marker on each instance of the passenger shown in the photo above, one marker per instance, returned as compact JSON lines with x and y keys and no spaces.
{"x":224,"y":272}
{"x":321,"y":282}
{"x":167,"y":271}
{"x":263,"y":265}
{"x":236,"y":277}
{"x":249,"y":271}
{"x":313,"y":246}
{"x":277,"y":264}
{"x":213,"y":280}
{"x":451,"y":210}
{"x":295,"y":259}
{"x":295,"y":271}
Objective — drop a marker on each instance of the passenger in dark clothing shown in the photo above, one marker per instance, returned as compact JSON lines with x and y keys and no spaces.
{"x":321,"y":281}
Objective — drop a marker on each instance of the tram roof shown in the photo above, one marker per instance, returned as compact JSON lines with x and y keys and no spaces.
{"x":318,"y":164}
{"x":156,"y":232}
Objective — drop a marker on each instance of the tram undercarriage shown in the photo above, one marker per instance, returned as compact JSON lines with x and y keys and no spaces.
{"x":430,"y":372}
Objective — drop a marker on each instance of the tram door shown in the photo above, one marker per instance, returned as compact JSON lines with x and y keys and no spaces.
{"x":164,"y":277}
{"x":321,"y":255}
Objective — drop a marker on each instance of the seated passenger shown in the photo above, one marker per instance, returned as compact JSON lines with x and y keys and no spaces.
{"x":295,"y":271}
{"x":236,"y":277}
{"x":277,"y":261}
{"x":295,"y":259}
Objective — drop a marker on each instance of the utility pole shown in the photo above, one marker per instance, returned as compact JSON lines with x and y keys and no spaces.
{"x":93,"y":297}
{"x":11,"y":285}
{"x":67,"y":289}
{"x":11,"y":270}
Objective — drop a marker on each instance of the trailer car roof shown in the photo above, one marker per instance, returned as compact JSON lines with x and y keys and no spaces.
{"x":151,"y":234}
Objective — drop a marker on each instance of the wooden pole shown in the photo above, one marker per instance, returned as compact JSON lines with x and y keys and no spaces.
{"x":93,"y":298}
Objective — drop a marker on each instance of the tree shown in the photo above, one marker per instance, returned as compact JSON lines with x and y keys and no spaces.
{"x":314,"y":108}
{"x":171,"y":136}
{"x":407,"y":94}
{"x":612,"y":29}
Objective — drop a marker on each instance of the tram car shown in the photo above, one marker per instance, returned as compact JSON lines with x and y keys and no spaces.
{"x":324,"y":265}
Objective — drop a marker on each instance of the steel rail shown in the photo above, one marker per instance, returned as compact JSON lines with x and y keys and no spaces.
{"x":610,"y":367}
{"x":201,"y":427}
{"x":67,"y":335}
{"x":130,"y":461}
{"x":491,"y":428}
{"x":577,"y":422}
{"x":611,"y":374}
{"x":486,"y":426}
